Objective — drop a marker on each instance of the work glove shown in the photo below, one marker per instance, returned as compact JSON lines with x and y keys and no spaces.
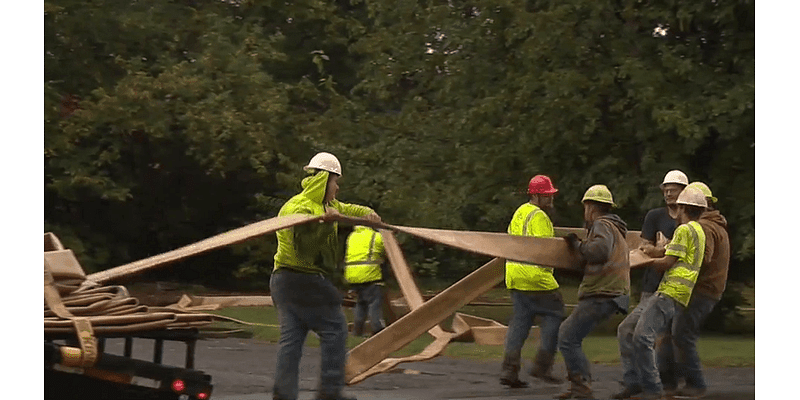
{"x":573,"y":242}
{"x":373,"y":217}
{"x":331,"y":214}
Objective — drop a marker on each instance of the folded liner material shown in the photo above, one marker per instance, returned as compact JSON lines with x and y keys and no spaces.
{"x":76,"y":302}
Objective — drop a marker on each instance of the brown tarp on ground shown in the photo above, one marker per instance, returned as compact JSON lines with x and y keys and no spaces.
{"x":421,"y":319}
{"x":369,"y":357}
{"x":482,"y":331}
{"x":211,"y":303}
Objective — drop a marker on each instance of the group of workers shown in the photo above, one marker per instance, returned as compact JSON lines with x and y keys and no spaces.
{"x":690,"y":247}
{"x":679,"y":289}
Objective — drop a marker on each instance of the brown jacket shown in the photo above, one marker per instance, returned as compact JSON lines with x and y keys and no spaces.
{"x":714,"y":270}
{"x":607,"y":271}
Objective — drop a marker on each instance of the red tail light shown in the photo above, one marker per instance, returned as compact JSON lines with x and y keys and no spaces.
{"x":178,"y":385}
{"x":202,"y":396}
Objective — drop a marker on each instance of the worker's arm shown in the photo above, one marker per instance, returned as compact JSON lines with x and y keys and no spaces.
{"x":655,"y":249}
{"x":596,"y":249}
{"x":354,"y":210}
{"x":664,"y":263}
{"x":380,"y":248}
{"x":652,"y":250}
{"x":646,"y":245}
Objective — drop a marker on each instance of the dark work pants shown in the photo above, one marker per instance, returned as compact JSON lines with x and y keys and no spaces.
{"x":369,"y":303}
{"x":308,"y":302}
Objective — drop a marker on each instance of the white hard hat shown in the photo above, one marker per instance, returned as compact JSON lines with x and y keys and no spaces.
{"x":326,"y":162}
{"x":692,"y":196}
{"x":675,"y":176}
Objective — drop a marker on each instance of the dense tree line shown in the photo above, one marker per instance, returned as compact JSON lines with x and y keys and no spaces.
{"x":170,"y":121}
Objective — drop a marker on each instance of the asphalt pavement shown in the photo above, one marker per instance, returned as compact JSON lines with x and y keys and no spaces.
{"x":243,"y":369}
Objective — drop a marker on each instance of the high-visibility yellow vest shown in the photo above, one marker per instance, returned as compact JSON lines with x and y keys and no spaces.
{"x":363,"y":256}
{"x":688,"y":244}
{"x":312,"y":248}
{"x":530,"y":220}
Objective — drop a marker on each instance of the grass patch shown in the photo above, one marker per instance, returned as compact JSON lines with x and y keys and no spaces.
{"x":600,"y":347}
{"x":264,"y":319}
{"x":715,"y":351}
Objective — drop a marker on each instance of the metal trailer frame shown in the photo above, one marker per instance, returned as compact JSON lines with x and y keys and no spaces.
{"x":122,"y":376}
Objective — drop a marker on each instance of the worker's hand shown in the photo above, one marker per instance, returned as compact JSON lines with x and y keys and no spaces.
{"x":573,"y":241}
{"x":331,"y":214}
{"x":373,"y":217}
{"x":652,"y":251}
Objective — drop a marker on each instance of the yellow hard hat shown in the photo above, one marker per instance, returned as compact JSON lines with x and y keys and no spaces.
{"x":705,"y":189}
{"x":692,"y":197}
{"x":600,"y":194}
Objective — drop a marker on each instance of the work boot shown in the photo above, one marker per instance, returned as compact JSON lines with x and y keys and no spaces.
{"x":689,"y":391}
{"x":542,"y":366}
{"x":509,"y":376}
{"x":650,"y":396}
{"x":340,"y":396}
{"x":513,"y":383}
{"x":358,"y":329}
{"x":579,"y":388}
{"x":627,"y":393}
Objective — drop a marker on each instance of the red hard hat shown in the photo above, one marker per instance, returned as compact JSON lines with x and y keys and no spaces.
{"x":541,"y":184}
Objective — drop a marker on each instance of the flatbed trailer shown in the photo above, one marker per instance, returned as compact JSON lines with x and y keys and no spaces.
{"x":78,"y":323}
{"x":122,"y":377}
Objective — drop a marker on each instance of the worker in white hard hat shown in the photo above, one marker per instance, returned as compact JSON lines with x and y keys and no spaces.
{"x":300,"y":284}
{"x":604,"y":289}
{"x":657,"y":229}
{"x":706,"y":294}
{"x":681,"y":266}
{"x":660,"y":220}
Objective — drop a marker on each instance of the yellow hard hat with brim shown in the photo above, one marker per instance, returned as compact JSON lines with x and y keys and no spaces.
{"x":600,"y":194}
{"x":705,"y":189}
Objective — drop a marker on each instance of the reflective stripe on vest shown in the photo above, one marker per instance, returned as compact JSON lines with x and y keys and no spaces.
{"x":360,"y":267}
{"x":679,"y":281}
{"x":528,"y":277}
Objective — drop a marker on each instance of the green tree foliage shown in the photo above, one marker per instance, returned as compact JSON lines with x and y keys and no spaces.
{"x":196,"y":116}
{"x":194,"y":139}
{"x":586,"y":92}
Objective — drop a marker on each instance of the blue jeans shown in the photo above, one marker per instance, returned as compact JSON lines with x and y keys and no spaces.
{"x":637,"y":335}
{"x":665,"y":356}
{"x":527,"y":305}
{"x":369,"y":302}
{"x":308,"y":302}
{"x":685,"y":332}
{"x":586,"y":316}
